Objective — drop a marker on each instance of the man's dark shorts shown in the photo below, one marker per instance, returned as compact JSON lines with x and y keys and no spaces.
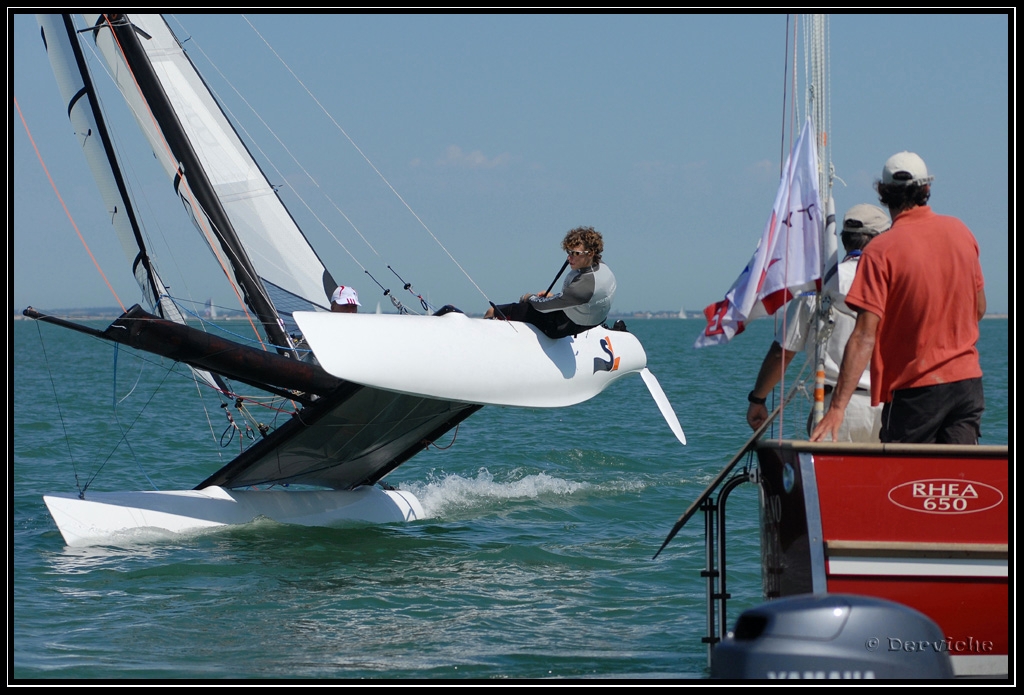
{"x":553,"y":324}
{"x":940,"y":414}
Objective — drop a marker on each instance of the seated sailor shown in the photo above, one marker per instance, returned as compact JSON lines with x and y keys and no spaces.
{"x":586,"y":296}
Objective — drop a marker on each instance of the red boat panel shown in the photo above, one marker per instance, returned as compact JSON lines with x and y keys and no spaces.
{"x":973,"y":613}
{"x":924,"y":499}
{"x":923,"y":525}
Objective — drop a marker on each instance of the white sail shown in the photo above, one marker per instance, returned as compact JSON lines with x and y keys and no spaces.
{"x":287,"y":267}
{"x":74,"y":82}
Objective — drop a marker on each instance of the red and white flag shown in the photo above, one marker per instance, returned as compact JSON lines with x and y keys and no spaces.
{"x":788,"y":257}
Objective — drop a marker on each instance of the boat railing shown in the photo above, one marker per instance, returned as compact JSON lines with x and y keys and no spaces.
{"x":712,"y":503}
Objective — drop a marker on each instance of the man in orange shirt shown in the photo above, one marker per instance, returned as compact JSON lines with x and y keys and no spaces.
{"x":919,"y":294}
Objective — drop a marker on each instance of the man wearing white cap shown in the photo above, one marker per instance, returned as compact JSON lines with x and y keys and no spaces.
{"x":919,"y":294}
{"x":345,"y":300}
{"x":861,"y":224}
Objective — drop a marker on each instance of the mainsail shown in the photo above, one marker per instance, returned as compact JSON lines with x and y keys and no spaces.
{"x":230,"y":200}
{"x":76,"y":87}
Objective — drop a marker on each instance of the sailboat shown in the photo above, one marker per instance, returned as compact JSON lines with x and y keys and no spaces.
{"x":922,"y":525}
{"x":356,"y":412}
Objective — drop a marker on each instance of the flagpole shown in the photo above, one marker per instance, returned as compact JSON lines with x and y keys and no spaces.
{"x":818,"y":86}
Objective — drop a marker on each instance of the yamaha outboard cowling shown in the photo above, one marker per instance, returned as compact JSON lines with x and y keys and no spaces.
{"x":832,"y":636}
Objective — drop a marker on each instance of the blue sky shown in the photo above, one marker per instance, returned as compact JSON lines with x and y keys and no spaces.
{"x":501,"y":132}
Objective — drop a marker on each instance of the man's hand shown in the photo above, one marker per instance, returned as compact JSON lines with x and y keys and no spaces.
{"x":757,"y":413}
{"x":856,"y":356}
{"x":829,"y":425}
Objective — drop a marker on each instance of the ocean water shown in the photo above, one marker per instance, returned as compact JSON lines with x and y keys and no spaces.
{"x":535,"y":561}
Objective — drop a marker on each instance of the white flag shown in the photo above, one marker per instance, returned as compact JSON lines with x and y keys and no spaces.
{"x":788,"y":257}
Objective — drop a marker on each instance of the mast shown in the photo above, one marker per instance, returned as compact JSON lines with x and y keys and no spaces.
{"x":817,"y":104}
{"x":191,"y":182}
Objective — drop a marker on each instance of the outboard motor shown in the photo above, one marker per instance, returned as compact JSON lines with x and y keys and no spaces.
{"x":829,"y":636}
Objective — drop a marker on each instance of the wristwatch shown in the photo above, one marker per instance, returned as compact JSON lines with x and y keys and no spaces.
{"x":755,"y":400}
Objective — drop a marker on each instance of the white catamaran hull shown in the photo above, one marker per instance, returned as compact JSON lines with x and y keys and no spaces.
{"x":470,"y":360}
{"x":110,"y":517}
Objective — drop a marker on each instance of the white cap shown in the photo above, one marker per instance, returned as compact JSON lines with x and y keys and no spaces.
{"x":905,"y":168}
{"x":345,"y":295}
{"x":866,"y":219}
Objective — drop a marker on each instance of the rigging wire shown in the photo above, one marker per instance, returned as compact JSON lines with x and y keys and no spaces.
{"x":816,"y":91}
{"x":365,"y":157}
{"x":60,"y":413}
{"x":816,"y":97}
{"x":245,"y":432}
{"x":206,"y":411}
{"x":285,"y":147}
{"x":788,"y":124}
{"x":785,"y":92}
{"x":124,"y":433}
{"x":817,"y":94}
{"x":267,"y":402}
{"x":401,"y":308}
{"x":255,"y":142}
{"x":114,"y":403}
{"x":114,"y":384}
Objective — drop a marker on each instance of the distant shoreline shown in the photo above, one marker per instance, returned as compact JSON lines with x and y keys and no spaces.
{"x":110,"y":313}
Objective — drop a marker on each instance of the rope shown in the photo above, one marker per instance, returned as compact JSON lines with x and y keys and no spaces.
{"x":67,"y":212}
{"x":408,"y":286}
{"x":124,"y":432}
{"x":455,"y":435}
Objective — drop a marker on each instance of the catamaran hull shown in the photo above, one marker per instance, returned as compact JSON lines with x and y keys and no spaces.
{"x":111,"y":517}
{"x":923,"y":525}
{"x":470,"y":360}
